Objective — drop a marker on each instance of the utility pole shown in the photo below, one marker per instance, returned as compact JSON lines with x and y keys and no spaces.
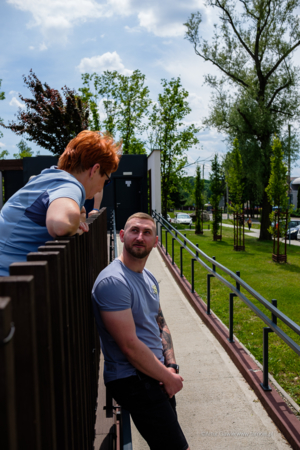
{"x":289,"y":164}
{"x":202,"y":171}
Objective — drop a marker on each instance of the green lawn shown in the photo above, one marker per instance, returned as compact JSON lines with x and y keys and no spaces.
{"x":273,"y":281}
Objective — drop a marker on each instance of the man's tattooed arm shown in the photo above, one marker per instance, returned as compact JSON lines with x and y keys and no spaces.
{"x":166,"y":338}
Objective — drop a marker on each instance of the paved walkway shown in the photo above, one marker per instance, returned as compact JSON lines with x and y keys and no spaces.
{"x":216,"y":405}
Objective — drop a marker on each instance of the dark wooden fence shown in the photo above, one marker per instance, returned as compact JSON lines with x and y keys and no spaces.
{"x":49,"y":345}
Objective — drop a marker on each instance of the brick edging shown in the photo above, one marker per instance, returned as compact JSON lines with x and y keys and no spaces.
{"x":275,"y":406}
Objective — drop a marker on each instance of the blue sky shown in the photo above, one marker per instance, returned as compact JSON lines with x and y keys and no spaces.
{"x":60,"y":39}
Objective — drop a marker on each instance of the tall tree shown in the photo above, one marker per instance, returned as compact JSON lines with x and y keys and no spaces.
{"x":125,"y":100}
{"x":50,"y":119}
{"x":199,"y":201}
{"x":252,"y":47}
{"x":171,"y":135}
{"x":217,"y":187}
{"x":277,"y":193}
{"x":234,"y":179}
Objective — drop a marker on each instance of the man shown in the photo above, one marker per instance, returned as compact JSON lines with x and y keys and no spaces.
{"x":140,"y":369}
{"x":51,"y":204}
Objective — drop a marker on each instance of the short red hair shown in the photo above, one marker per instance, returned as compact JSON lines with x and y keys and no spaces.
{"x":89,"y":148}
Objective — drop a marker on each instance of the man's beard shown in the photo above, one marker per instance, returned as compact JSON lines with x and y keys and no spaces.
{"x":137,"y":252}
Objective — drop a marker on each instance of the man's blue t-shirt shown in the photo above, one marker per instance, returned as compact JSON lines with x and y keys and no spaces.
{"x":118,"y":288}
{"x":23,"y":217}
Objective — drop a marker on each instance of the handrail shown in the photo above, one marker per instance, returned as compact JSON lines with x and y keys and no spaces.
{"x":290,"y":323}
{"x":276,"y":313}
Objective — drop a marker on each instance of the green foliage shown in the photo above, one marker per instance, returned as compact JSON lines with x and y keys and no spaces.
{"x":199,"y":201}
{"x":234,"y":177}
{"x":49,"y":118}
{"x":4,"y":154}
{"x":171,"y":135}
{"x":217,"y":187}
{"x":257,"y":93}
{"x":24,"y":150}
{"x":125,"y":101}
{"x":277,"y":189}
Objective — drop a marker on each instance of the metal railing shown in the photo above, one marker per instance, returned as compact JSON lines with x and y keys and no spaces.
{"x":196,"y":255}
{"x":122,"y":414}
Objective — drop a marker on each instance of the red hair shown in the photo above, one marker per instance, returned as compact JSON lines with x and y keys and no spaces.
{"x":89,"y":148}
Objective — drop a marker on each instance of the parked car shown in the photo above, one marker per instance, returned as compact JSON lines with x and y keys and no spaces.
{"x":293,"y":229}
{"x":168,"y":218}
{"x":183,"y":218}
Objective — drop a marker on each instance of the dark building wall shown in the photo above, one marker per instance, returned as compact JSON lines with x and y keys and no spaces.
{"x":127,"y":193}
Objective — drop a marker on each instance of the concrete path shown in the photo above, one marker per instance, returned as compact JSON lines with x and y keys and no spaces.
{"x":216,"y":408}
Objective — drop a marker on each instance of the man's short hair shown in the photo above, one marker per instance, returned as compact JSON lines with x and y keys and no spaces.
{"x":140,"y":215}
{"x":89,"y":148}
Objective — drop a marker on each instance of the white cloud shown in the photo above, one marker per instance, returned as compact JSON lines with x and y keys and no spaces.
{"x":15,"y":102}
{"x":107,"y":61}
{"x":60,"y":13}
{"x":31,"y":47}
{"x":133,"y":29}
{"x":42,"y":47}
{"x":2,"y":145}
{"x":13,"y":93}
{"x":164,"y":19}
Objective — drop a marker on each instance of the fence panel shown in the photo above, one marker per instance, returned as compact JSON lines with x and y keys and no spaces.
{"x":7,"y":377}
{"x":52,"y":363}
{"x":21,"y":291}
{"x":39,"y":270}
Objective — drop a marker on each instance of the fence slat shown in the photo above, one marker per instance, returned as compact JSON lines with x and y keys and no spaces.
{"x":63,"y":414}
{"x":8,"y":435}
{"x":39,"y":270}
{"x":21,"y":291}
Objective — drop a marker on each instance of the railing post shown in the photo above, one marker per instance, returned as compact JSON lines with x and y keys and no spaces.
{"x":193,"y":273}
{"x":266,"y":331}
{"x":213,"y":266}
{"x":197,"y":254}
{"x":110,"y":245}
{"x":231,"y":297}
{"x":166,"y":241}
{"x":209,"y":276}
{"x":173,"y":239}
{"x":181,"y":268}
{"x":161,"y":233}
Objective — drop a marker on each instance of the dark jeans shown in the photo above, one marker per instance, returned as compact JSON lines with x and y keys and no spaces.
{"x":152,"y":412}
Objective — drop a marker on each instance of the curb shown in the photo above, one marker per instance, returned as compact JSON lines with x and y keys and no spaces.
{"x":280,"y":413}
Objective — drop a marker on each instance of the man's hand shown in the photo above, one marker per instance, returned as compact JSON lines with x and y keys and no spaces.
{"x":173,"y":384}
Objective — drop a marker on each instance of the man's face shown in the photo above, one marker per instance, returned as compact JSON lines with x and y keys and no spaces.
{"x":139,"y":237}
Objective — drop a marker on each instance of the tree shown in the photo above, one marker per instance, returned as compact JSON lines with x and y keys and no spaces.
{"x":217,"y":188}
{"x":50,"y":119}
{"x":234,"y":180}
{"x":252,"y":48}
{"x":199,"y":201}
{"x":171,"y":135}
{"x":125,"y":100}
{"x":24,"y":150}
{"x":277,"y":194}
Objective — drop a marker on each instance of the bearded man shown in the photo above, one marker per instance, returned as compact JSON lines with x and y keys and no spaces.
{"x":140,"y":369}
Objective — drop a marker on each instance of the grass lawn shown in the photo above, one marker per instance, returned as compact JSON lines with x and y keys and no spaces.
{"x":273,"y":281}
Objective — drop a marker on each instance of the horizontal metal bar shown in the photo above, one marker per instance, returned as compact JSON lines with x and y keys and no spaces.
{"x":275,"y":311}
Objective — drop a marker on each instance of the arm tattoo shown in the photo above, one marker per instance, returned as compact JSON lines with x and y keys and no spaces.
{"x":166,"y":338}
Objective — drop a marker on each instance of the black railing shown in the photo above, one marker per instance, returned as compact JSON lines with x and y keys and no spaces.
{"x":196,"y":255}
{"x":122,"y":414}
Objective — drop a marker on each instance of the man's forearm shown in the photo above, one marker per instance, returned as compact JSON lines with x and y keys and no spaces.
{"x":143,"y":359}
{"x":166,"y":338}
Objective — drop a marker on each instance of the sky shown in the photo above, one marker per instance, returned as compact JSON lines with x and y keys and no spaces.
{"x":61,"y":39}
